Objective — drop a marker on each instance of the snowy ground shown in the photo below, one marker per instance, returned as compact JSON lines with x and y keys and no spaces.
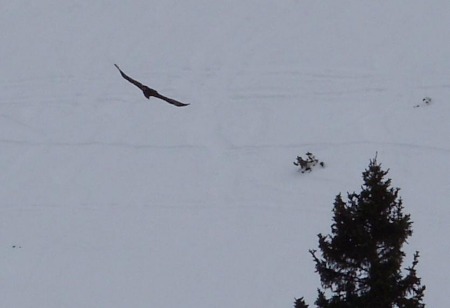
{"x":110,"y":200}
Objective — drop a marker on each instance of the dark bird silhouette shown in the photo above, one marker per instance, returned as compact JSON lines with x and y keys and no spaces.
{"x":149,"y":91}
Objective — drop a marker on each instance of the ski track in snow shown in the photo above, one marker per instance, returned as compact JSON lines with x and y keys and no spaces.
{"x":96,"y":144}
{"x":234,"y":148}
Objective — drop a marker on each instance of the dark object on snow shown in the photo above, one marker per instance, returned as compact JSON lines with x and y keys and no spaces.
{"x":307,"y":164}
{"x":300,"y":303}
{"x":425,"y":100}
{"x":150,"y":92}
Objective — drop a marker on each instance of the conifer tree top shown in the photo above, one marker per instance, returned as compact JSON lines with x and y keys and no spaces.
{"x":361,"y":260}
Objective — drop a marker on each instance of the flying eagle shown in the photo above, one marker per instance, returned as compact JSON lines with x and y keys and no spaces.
{"x":150,"y":92}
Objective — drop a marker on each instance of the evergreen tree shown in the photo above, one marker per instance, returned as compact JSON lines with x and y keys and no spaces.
{"x":361,"y":260}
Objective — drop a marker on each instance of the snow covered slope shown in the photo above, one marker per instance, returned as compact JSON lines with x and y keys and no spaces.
{"x":110,"y":200}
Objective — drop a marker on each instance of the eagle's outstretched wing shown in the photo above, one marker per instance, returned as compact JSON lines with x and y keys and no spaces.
{"x":171,"y":100}
{"x":135,"y":82}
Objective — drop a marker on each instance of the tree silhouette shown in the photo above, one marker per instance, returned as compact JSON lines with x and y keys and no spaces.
{"x":361,"y":261}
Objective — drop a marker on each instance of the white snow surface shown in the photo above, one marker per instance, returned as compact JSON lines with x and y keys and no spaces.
{"x":110,"y":200}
